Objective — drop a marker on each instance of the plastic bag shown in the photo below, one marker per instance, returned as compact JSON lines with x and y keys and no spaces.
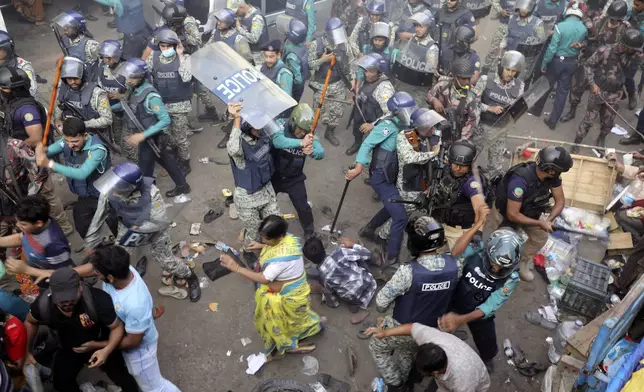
{"x":311,"y":365}
{"x":582,"y":221}
{"x":559,"y":257}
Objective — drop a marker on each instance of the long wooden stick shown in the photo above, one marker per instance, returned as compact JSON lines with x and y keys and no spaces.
{"x":318,"y":111}
{"x":52,"y":100}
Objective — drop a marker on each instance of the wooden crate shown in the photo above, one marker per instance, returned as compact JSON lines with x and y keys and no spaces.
{"x":588,"y":184}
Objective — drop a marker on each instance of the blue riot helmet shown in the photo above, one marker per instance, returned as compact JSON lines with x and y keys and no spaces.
{"x":503,"y":252}
{"x":72,"y":22}
{"x":402,"y":105}
{"x":226,"y":16}
{"x":376,"y":7}
{"x":122,"y":179}
{"x":256,"y":118}
{"x":424,"y":121}
{"x":296,"y":31}
{"x":424,"y":234}
{"x":7,"y":44}
{"x":111,"y":49}
{"x":133,"y":68}
{"x":373,"y":62}
{"x":423,"y":18}
{"x":335,"y":31}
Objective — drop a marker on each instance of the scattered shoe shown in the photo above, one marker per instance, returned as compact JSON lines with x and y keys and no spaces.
{"x":232,"y":212}
{"x":174,"y":292}
{"x":333,"y":385}
{"x":213,"y":214}
{"x":142,"y":266}
{"x":360,"y":316}
{"x":194,"y":289}
{"x":352,"y":360}
{"x":214,"y":270}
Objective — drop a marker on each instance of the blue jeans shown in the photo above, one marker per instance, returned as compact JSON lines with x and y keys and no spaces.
{"x":560,"y":72}
{"x":13,"y":305}
{"x":395,"y":211}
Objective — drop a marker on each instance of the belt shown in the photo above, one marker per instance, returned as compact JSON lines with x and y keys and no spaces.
{"x":562,"y":58}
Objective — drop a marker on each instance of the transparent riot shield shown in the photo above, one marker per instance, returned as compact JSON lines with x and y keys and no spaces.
{"x":537,"y":90}
{"x":233,"y":79}
{"x":282,"y":23}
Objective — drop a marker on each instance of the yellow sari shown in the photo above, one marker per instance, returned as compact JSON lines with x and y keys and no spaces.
{"x":283,"y":319}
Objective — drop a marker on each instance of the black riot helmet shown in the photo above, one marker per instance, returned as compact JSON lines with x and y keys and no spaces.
{"x":464,"y":36}
{"x":14,"y":78}
{"x":462,"y":153}
{"x":618,"y":10}
{"x":174,"y":15}
{"x":554,"y":158}
{"x":632,"y":39}
{"x":462,"y":68}
{"x":424,"y":234}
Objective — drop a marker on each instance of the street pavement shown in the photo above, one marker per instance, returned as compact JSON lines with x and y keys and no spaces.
{"x":194,"y":342}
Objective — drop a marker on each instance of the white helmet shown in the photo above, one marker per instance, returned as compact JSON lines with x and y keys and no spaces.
{"x":575,"y":8}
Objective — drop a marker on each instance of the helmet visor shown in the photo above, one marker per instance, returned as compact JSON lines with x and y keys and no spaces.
{"x":404,"y":115}
{"x":129,"y":70}
{"x":337,"y":36}
{"x":65,"y":20}
{"x":110,"y":49}
{"x":109,"y":184}
{"x":72,"y":68}
{"x":496,"y":271}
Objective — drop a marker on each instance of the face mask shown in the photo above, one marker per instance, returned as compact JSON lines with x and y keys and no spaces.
{"x":168,"y":53}
{"x":6,"y":96}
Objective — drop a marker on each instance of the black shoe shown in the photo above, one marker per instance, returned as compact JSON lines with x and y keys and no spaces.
{"x":194,"y":290}
{"x":367,"y":181}
{"x":40,"y":79}
{"x":224,"y":141}
{"x":209,"y":115}
{"x":111,"y":24}
{"x":178,"y":190}
{"x":142,"y":266}
{"x":368,"y":233}
{"x":90,"y":17}
{"x":185,"y":167}
{"x":329,"y":135}
{"x":631,"y":140}
{"x":552,"y":127}
{"x":353,"y":149}
{"x":570,"y":115}
{"x":601,"y":140}
{"x":632,"y":101}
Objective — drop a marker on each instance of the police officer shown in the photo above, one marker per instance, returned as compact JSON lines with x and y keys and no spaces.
{"x":448,"y":19}
{"x":524,"y":194}
{"x":321,"y":51}
{"x":9,"y":58}
{"x":416,"y":63}
{"x":251,"y":24}
{"x":137,"y":204}
{"x":604,"y":30}
{"x":550,"y":12}
{"x":479,"y":8}
{"x":606,"y":72}
{"x":380,"y":41}
{"x":503,"y":9}
{"x":131,"y":23}
{"x":379,"y":150}
{"x":304,"y":11}
{"x":80,"y":97}
{"x":85,"y":159}
{"x":372,"y":97}
{"x":404,"y":26}
{"x":560,"y":60}
{"x":172,"y":79}
{"x":253,"y":167}
{"x":464,"y":36}
{"x":502,"y":89}
{"x":526,"y":34}
{"x":275,"y":69}
{"x":296,"y":56}
{"x":176,"y":18}
{"x":459,"y":194}
{"x":150,"y":111}
{"x":455,"y":98}
{"x":488,"y":280}
{"x":77,"y":39}
{"x":24,"y":117}
{"x":360,"y":37}
{"x":413,"y":302}
{"x":291,"y":147}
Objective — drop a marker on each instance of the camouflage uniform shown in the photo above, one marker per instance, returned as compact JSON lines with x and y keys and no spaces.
{"x":599,"y":34}
{"x":179,"y":110}
{"x":495,"y":51}
{"x":482,"y":137}
{"x":419,"y":93}
{"x":332,"y":112}
{"x":99,"y":102}
{"x":161,"y":246}
{"x":608,"y":62}
{"x":253,"y":208}
{"x":449,"y":96}
{"x":254,"y":34}
{"x":348,"y":12}
{"x":394,"y":355}
{"x":539,"y":34}
{"x":91,"y":49}
{"x":407,"y":156}
{"x":363,"y":23}
{"x":29,"y":70}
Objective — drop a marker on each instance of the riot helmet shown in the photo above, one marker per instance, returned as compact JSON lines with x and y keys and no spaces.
{"x":373,"y":62}
{"x":72,"y":22}
{"x":451,"y":5}
{"x":380,"y":30}
{"x":72,"y":68}
{"x":296,"y":31}
{"x":301,"y":118}
{"x":464,"y":36}
{"x":511,"y":65}
{"x":376,"y":8}
{"x":424,"y":121}
{"x":503,"y":252}
{"x":225,"y":18}
{"x":167,"y":36}
{"x":8,"y":46}
{"x":335,"y":31}
{"x":618,"y":10}
{"x":255,"y":119}
{"x":462,"y":153}
{"x":423,"y":18}
{"x":111,"y":49}
{"x":576,"y":8}
{"x":174,"y":15}
{"x":424,"y":234}
{"x":14,"y":78}
{"x":554,"y":158}
{"x":120,"y":180}
{"x":632,"y":39}
{"x":134,"y":71}
{"x":462,"y":68}
{"x":526,"y":5}
{"x":402,"y":105}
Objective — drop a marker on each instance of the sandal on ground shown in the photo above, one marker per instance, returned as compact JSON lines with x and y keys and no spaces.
{"x":302,"y":348}
{"x":360,"y":316}
{"x":213,"y":214}
{"x":537,"y":319}
{"x":232,"y":212}
{"x":174,"y":292}
{"x":362,"y":332}
{"x":352,"y":360}
{"x":331,"y":384}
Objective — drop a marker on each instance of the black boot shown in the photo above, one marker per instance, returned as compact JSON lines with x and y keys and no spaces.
{"x":633,"y":139}
{"x":329,"y":135}
{"x":632,"y":101}
{"x":551,"y":126}
{"x":368,"y":233}
{"x":178,"y":190}
{"x":184,"y":165}
{"x":354,"y":147}
{"x":209,"y":115}
{"x":601,"y":140}
{"x":570,"y":115}
{"x":194,"y":290}
{"x":224,"y":141}
{"x":575,"y":149}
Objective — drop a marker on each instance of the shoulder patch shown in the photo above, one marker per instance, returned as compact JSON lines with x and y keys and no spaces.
{"x":506,"y":290}
{"x":475,"y":184}
{"x":155,"y":108}
{"x":517,"y":192}
{"x":29,"y":117}
{"x":386,"y":131}
{"x":477,"y":64}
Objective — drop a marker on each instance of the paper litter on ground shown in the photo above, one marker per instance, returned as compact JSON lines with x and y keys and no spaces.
{"x":619,"y":131}
{"x":255,"y":362}
{"x":548,"y":313}
{"x":246,"y":341}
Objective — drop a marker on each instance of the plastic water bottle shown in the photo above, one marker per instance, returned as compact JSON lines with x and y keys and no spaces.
{"x":507,"y":347}
{"x":225,"y":248}
{"x":565,"y":331}
{"x":632,"y":193}
{"x":378,"y":385}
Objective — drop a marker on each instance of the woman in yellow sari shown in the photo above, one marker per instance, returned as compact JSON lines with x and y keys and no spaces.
{"x":283,"y":314}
